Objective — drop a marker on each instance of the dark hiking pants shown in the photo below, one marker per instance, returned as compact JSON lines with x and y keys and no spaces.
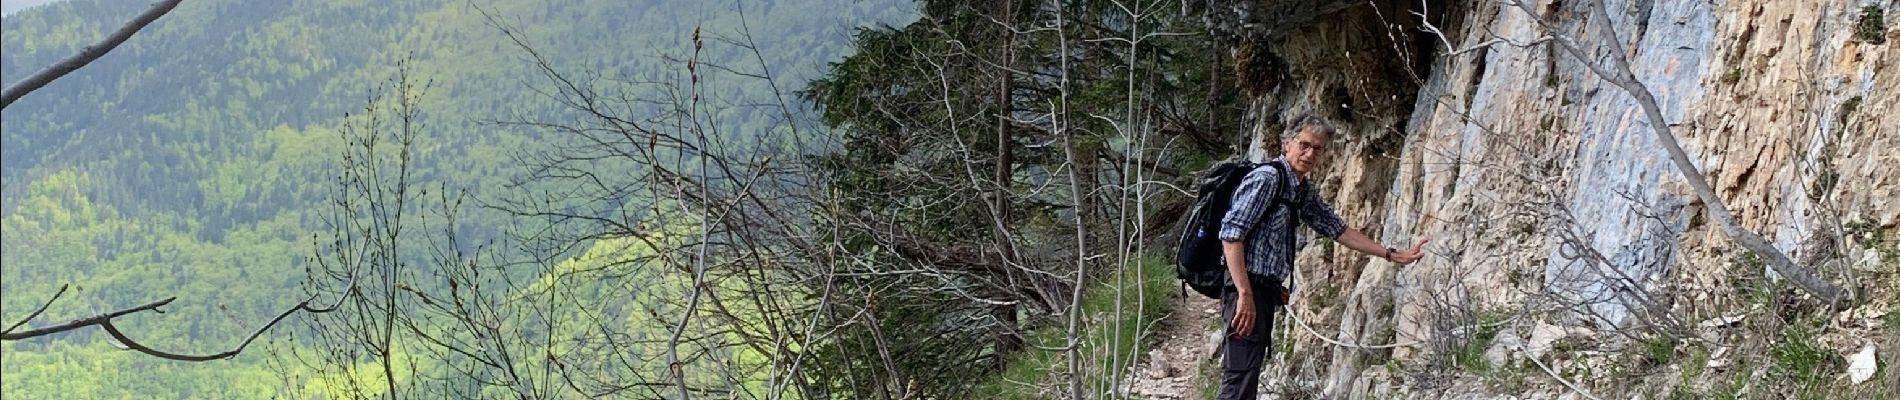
{"x":1242,"y":357}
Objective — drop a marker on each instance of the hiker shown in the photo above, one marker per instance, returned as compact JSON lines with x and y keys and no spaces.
{"x":1257,"y":248}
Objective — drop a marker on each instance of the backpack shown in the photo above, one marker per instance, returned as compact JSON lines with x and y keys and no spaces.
{"x":1197,"y":260}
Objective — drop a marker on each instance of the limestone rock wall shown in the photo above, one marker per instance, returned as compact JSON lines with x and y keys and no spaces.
{"x":1503,"y":146}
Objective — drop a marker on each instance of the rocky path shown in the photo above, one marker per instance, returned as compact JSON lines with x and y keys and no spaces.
{"x":1171,"y":369}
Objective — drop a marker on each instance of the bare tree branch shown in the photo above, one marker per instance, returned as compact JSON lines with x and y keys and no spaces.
{"x":1061,"y":119}
{"x":105,"y":321}
{"x":86,"y":55}
{"x":85,"y":322}
{"x":134,"y":345}
{"x":706,"y":226}
{"x":36,"y":313}
{"x":962,"y":256}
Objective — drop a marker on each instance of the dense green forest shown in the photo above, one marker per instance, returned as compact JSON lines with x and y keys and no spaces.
{"x":196,"y":160}
{"x":557,"y":199}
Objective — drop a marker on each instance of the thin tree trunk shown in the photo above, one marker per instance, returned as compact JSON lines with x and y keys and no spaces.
{"x":1006,"y":341}
{"x":1081,"y":226}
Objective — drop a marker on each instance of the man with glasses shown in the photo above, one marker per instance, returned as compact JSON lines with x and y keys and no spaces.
{"x":1257,"y":247}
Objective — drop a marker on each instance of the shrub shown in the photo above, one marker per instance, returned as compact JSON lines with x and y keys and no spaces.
{"x":1873,"y":26}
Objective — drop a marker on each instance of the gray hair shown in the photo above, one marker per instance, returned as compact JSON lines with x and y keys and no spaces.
{"x":1304,"y":122}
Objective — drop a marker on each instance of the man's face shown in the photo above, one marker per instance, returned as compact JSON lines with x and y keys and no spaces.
{"x":1305,"y":150}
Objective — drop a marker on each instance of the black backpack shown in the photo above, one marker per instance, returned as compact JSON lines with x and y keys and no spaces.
{"x":1197,"y":260}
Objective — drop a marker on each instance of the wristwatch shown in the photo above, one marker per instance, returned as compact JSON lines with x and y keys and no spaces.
{"x":1388,"y":254}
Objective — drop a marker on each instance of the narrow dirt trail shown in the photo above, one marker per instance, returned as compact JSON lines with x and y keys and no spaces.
{"x":1171,"y":368}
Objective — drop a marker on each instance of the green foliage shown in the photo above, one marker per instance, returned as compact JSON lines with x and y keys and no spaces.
{"x":1208,"y":388}
{"x":58,"y":236}
{"x":1749,"y":279}
{"x":1802,"y":360}
{"x":1469,"y":354}
{"x":197,"y":159}
{"x":1657,"y":350}
{"x":1872,"y":27}
{"x":1118,"y":317}
{"x":1692,"y":370}
{"x":1734,"y":388}
{"x":958,"y":106}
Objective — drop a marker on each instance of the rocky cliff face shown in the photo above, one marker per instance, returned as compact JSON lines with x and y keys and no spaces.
{"x":1561,"y":233}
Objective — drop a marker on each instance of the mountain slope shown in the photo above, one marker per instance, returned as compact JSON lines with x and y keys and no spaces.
{"x":194,"y":160}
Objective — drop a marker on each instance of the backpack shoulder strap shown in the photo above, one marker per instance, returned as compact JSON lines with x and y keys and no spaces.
{"x":1286,"y":192}
{"x":1286,"y":186}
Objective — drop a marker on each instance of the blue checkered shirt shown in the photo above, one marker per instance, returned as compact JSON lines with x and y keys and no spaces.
{"x":1269,"y":238}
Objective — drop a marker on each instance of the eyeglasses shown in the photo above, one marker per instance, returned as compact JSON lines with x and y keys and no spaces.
{"x":1317,"y":149}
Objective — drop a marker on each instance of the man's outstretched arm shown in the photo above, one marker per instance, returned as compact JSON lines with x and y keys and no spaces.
{"x":1353,"y":239}
{"x":1320,"y":216}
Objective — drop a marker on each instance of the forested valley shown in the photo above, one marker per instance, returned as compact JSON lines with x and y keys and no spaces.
{"x":564,"y":199}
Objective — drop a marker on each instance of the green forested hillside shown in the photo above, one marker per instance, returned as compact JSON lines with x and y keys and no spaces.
{"x":196,"y":159}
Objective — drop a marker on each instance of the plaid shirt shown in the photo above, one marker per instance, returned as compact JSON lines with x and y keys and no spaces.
{"x":1269,"y":238}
